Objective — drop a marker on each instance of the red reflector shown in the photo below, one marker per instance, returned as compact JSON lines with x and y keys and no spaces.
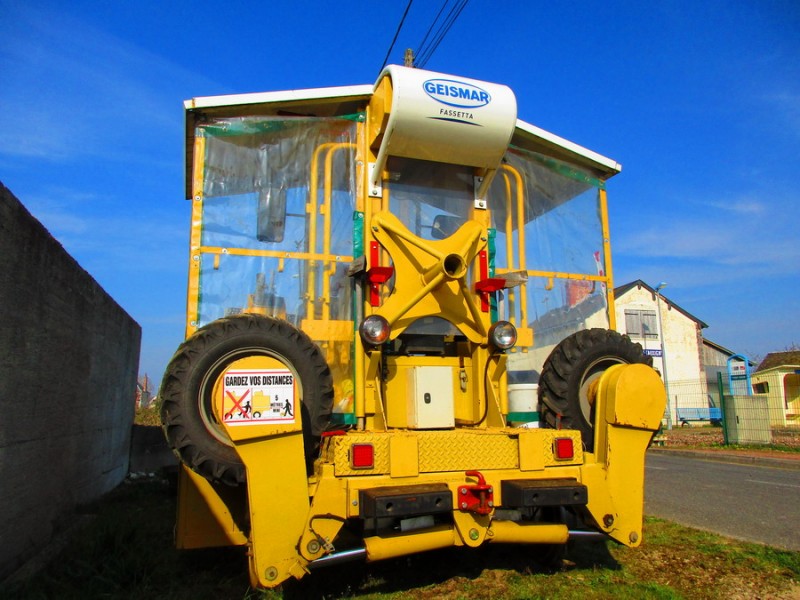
{"x":563,"y":448}
{"x":362,"y":456}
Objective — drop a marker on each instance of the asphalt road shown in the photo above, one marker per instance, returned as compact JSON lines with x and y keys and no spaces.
{"x":749,"y":502}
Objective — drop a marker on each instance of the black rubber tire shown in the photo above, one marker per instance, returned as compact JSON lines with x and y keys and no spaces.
{"x":571,"y":366}
{"x":186,"y":415}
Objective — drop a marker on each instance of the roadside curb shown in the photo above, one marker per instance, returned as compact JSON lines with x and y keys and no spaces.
{"x":742,"y":459}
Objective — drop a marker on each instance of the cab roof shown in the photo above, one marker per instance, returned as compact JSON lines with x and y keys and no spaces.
{"x":345,"y":100}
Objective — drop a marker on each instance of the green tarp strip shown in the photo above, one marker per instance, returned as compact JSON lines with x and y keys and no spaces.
{"x":252,"y":125}
{"x":563,"y":168}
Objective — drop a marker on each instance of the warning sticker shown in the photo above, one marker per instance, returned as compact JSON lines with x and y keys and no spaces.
{"x":256,"y":397}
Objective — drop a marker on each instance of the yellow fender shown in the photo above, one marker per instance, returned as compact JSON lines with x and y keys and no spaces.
{"x":630,"y":404}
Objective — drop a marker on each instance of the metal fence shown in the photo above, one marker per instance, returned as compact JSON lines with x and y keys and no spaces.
{"x":764,"y":419}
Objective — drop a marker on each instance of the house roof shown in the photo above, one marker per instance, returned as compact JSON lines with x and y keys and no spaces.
{"x":718,"y":348}
{"x":619,"y":291}
{"x":772,"y":360}
{"x":723,"y":350}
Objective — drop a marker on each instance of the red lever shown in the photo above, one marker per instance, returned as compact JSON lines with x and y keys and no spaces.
{"x":376,"y":275}
{"x":487,"y":285}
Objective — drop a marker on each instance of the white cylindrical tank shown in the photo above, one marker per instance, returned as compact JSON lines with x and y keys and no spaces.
{"x":445,"y":118}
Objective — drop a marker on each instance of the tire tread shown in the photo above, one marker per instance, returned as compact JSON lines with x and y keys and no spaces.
{"x":181,"y":421}
{"x":564,"y":369}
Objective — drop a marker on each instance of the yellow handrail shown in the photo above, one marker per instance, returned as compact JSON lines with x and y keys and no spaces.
{"x":311,"y":211}
{"x":612,"y":317}
{"x":523,"y":305}
{"x":509,"y":244}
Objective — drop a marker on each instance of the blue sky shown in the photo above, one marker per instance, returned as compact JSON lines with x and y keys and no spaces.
{"x":699,"y":101}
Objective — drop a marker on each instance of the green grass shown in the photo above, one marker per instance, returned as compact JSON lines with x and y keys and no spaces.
{"x":775,"y":447}
{"x":784,"y":440}
{"x":126,"y":551}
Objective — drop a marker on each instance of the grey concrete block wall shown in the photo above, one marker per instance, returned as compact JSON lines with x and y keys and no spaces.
{"x":69,"y":357}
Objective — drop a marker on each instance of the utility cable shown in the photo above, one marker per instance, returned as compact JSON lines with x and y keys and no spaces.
{"x":428,"y":33}
{"x":396,"y":33}
{"x":442,"y":35}
{"x":424,"y":51}
{"x":424,"y":54}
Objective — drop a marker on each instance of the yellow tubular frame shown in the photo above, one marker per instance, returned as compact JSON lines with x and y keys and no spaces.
{"x":311,"y":209}
{"x":523,"y":306}
{"x":612,"y":316}
{"x":193,"y":296}
{"x":326,"y":257}
{"x":605,"y":279}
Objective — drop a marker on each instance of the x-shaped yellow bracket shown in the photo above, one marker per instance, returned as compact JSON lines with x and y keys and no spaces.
{"x":431,"y":276}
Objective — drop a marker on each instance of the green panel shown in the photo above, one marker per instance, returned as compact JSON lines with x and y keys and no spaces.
{"x":343,"y":418}
{"x":523,"y":416}
{"x":358,"y":234}
{"x":492,"y":252}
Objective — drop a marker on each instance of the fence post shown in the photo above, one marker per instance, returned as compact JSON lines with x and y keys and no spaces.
{"x":722,"y":407}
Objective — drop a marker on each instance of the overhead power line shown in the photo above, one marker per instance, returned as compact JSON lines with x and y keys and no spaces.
{"x":424,"y":53}
{"x":433,"y":24}
{"x":438,"y":29}
{"x":396,"y":33}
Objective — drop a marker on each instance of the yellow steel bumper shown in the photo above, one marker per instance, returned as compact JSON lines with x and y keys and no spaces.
{"x":295,"y":520}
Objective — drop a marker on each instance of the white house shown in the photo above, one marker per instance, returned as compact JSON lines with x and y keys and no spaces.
{"x":668,"y":333}
{"x":675,"y":341}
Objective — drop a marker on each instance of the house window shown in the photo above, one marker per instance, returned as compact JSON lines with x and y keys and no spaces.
{"x":641,"y":324}
{"x":761,"y":388}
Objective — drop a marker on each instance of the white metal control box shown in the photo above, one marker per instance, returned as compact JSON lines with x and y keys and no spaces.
{"x":431,"y":404}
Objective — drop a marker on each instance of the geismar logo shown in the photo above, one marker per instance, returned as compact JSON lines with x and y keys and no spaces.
{"x":456,"y":93}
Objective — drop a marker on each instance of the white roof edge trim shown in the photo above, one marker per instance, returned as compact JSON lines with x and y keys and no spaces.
{"x":348,"y":91}
{"x":604,"y":161}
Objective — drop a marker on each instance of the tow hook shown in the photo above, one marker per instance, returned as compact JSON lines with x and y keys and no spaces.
{"x":478,"y":498}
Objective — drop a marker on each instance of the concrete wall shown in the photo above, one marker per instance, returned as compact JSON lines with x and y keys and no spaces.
{"x":68,"y":363}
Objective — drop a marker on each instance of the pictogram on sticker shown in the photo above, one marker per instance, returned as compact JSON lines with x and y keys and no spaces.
{"x":257,"y":397}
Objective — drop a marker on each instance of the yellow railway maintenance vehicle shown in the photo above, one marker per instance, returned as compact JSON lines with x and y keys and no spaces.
{"x":399,"y":331}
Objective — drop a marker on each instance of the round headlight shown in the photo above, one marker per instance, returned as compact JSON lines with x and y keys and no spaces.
{"x":503,"y":335}
{"x":374,"y":330}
